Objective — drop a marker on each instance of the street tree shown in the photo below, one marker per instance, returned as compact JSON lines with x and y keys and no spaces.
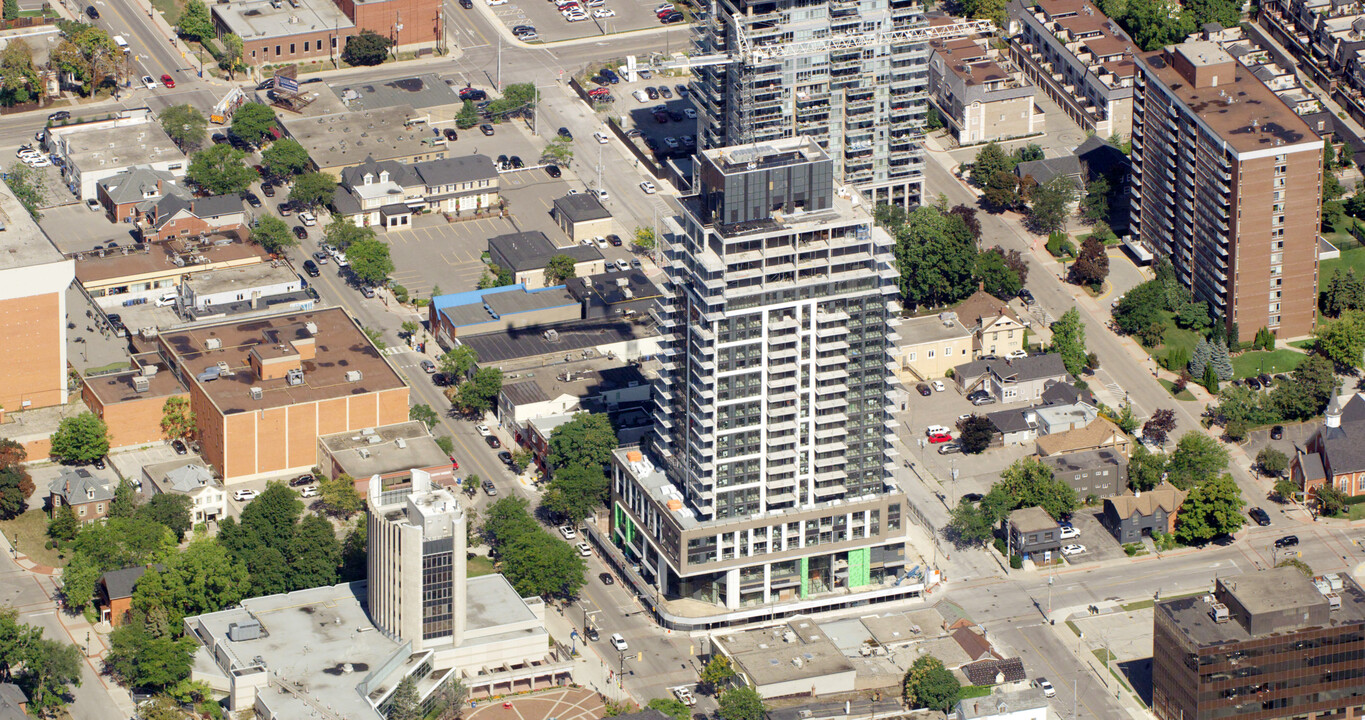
{"x":1026,"y":483}
{"x":644,"y":239}
{"x":424,"y":413}
{"x":1198,"y":458}
{"x":253,"y":122}
{"x":990,"y":160}
{"x":1095,"y":204}
{"x":177,"y":419}
{"x":170,"y":510}
{"x":477,"y":396}
{"x":930,"y":685}
{"x":370,"y":261}
{"x":1001,"y":191}
{"x":63,"y":526}
{"x":202,"y":579}
{"x":19,"y":82}
{"x":13,"y":496}
{"x":741,"y":703}
{"x":231,"y":59}
{"x":284,"y":158}
{"x":459,"y":361}
{"x":367,"y":48}
{"x":83,"y":438}
{"x":1271,"y":461}
{"x":1286,"y":490}
{"x":50,"y":670}
{"x":558,"y":269}
{"x":1159,"y":426}
{"x":585,"y":441}
{"x":186,"y":125}
{"x":559,"y":151}
{"x":1068,"y":340}
{"x":538,"y":564}
{"x":221,"y":170}
{"x":670,"y":707}
{"x":506,"y":520}
{"x":468,"y":116}
{"x":1329,"y":500}
{"x":996,"y":275}
{"x":195,"y":22}
{"x":339,"y":495}
{"x":1145,"y":469}
{"x":143,"y":655}
{"x":313,"y":190}
{"x":1050,"y":203}
{"x":1092,"y":264}
{"x":272,"y":234}
{"x":1212,"y":508}
{"x":575,"y":492}
{"x":717,"y":673}
{"x":969,"y":525}
{"x":342,"y":233}
{"x":975,"y":434}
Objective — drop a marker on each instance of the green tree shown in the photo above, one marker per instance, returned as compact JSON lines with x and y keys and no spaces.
{"x":995,"y":274}
{"x":406,"y":703}
{"x":1308,"y":391}
{"x":342,"y":233}
{"x":936,"y":255}
{"x":506,"y":520}
{"x":16,"y":639}
{"x":121,"y":542}
{"x":468,"y":116}
{"x":990,"y":160}
{"x":930,"y":685}
{"x":202,"y":579}
{"x":1154,"y":24}
{"x":424,"y":413}
{"x":478,"y":394}
{"x":221,"y":170}
{"x":13,"y":493}
{"x":353,"y":553}
{"x":266,"y":522}
{"x":969,"y":525}
{"x":741,"y":703}
{"x":559,"y":151}
{"x":1145,"y":469}
{"x":1197,"y":459}
{"x":717,"y":673}
{"x":50,"y":670}
{"x":339,"y":496}
{"x":521,"y":459}
{"x":575,"y":492}
{"x":671,"y":707}
{"x":1050,"y":203}
{"x":19,"y":82}
{"x":11,"y":9}
{"x":231,"y":59}
{"x":585,"y":441}
{"x":1095,"y":204}
{"x":538,"y":564}
{"x":284,"y":158}
{"x":314,"y":189}
{"x":1211,"y":509}
{"x":172,"y":511}
{"x":253,"y":122}
{"x":1092,"y":263}
{"x":78,"y":582}
{"x":459,"y":361}
{"x":1343,"y":341}
{"x":643,"y":239}
{"x":1068,"y":340}
{"x":1271,"y":461}
{"x":177,"y":419}
{"x":272,"y":234}
{"x":1330,"y":500}
{"x":1220,"y":361}
{"x":1286,"y":490}
{"x":1344,"y":292}
{"x":63,"y":525}
{"x":83,"y":438}
{"x":1001,"y":190}
{"x":185,"y":124}
{"x":367,"y":48}
{"x":1028,"y":483}
{"x":141,"y":656}
{"x":1159,"y":426}
{"x":558,"y":269}
{"x":370,"y":261}
{"x":975,"y":434}
{"x":314,"y":554}
{"x":195,"y":22}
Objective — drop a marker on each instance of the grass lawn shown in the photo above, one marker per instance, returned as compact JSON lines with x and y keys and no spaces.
{"x":1356,"y":512}
{"x":1170,"y":388}
{"x":28,"y":533}
{"x":169,"y":9}
{"x":478,"y":565}
{"x":1276,"y":361}
{"x":1305,"y":345}
{"x":1353,"y":258}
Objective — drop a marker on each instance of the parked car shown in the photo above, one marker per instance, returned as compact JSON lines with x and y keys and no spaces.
{"x":606,"y":578}
{"x":367,"y":291}
{"x":309,"y":492}
{"x":614,"y":240}
{"x":564,"y":133}
{"x":1288,"y":541}
{"x":552,"y":171}
{"x":1045,"y":686}
{"x":301,"y":480}
{"x":483,"y":430}
{"x":1260,"y":516}
{"x":648,"y":187}
{"x":252,"y":200}
{"x":924,"y":390}
{"x":489,"y":488}
{"x":311,"y":268}
{"x":951,"y":448}
{"x":493,"y":441}
{"x":472,"y":93}
{"x":682,"y":90}
{"x":300,"y":232}
{"x":179,"y":446}
{"x":486,"y":129}
{"x":428,"y":367}
{"x":321,"y":256}
{"x":451,"y":134}
{"x":665,"y":93}
{"x":1277,"y":432}
{"x":584,"y":549}
{"x":516,"y":163}
{"x":981,"y":397}
{"x":1016,"y":355}
{"x":937,"y":385}
{"x":1253,"y":383}
{"x":1026,"y":296}
{"x":653,"y":93}
{"x":268,"y":190}
{"x":972,"y":497}
{"x":940,"y":438}
{"x":1073,"y":549}
{"x":244,"y":495}
{"x":1069,"y":532}
{"x":611,"y":77}
{"x":568,"y":532}
{"x":602,"y":137}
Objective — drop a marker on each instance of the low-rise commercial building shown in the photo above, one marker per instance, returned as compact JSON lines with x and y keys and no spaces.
{"x":794,"y":658}
{"x":933,"y":345}
{"x":1019,"y":704}
{"x":979,"y":94}
{"x":389,"y":453}
{"x":1092,"y":474}
{"x":526,"y":255}
{"x":581,"y":215}
{"x":599,"y":385}
{"x":208,"y":499}
{"x":386,"y":194}
{"x":136,"y":191}
{"x":249,"y":284}
{"x":408,"y":23}
{"x":93,"y":151}
{"x":274,"y":33}
{"x":1033,"y":532}
{"x":615,"y":293}
{"x":132,"y":403}
{"x":336,"y":141}
{"x":175,"y":217}
{"x":149,"y":271}
{"x":518,"y":349}
{"x":499,"y":309}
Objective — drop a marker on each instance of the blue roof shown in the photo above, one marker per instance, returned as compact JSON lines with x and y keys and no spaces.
{"x":481,"y":306}
{"x":471,"y":297}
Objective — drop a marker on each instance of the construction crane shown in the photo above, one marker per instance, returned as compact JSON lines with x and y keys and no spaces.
{"x":749,"y":53}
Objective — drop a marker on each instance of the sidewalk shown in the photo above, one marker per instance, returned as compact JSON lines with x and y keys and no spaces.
{"x":589,"y":670}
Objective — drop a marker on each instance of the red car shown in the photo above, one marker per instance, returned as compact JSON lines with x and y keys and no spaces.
{"x":167,"y":81}
{"x":454,"y":464}
{"x":940,"y":438}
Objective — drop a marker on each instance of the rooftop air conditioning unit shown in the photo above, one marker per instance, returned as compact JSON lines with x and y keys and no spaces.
{"x":1219,"y":613}
{"x":257,"y":393}
{"x":401,"y":443}
{"x":150,"y":370}
{"x":311,"y":327}
{"x":354,"y":376}
{"x":141,"y":384}
{"x":1333,"y":601}
{"x":213,"y":343}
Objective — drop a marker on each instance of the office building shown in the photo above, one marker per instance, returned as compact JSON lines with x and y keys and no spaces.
{"x":1227,"y":184}
{"x":101,"y":149}
{"x":1269,"y":644}
{"x":768,"y":475}
{"x":273,"y":32}
{"x":863,"y":100}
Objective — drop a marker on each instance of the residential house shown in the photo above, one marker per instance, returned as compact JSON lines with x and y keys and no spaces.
{"x":995,"y":671}
{"x":1021,"y":426}
{"x":581,"y":215}
{"x":114,"y":593}
{"x":1032,"y":531}
{"x":1018,"y":380}
{"x":13,"y":702}
{"x":1133,"y":514}
{"x":136,"y":190}
{"x":932,"y":345}
{"x":386,"y":194}
{"x":979,"y":93}
{"x":1099,"y":434}
{"x":1092,"y":473}
{"x":1018,"y":426}
{"x":526,"y":254}
{"x":995,"y":328}
{"x":87,"y":494}
{"x":973,"y":644}
{"x":1335,"y":452}
{"x":175,"y":217}
{"x":1021,"y":704}
{"x":208,"y":499}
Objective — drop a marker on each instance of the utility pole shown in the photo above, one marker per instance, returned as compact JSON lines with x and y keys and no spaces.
{"x":599,"y":166}
{"x":499,"y":62}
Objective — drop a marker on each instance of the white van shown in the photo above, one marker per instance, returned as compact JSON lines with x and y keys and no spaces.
{"x":121,"y":43}
{"x":166,"y":300}
{"x":619,"y":642}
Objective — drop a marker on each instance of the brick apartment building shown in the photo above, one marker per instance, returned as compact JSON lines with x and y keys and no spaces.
{"x":263,"y":391}
{"x":33,"y":281}
{"x":1227,"y":184}
{"x":406,"y":22}
{"x":133,"y":403}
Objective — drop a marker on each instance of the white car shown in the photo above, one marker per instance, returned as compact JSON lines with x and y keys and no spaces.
{"x":244,"y":495}
{"x":576,"y":17}
{"x":584,"y":549}
{"x":27,"y":152}
{"x":1069,"y":532}
{"x":937,"y":430}
{"x":938,"y":385}
{"x":622,"y":265}
{"x":619,"y":642}
{"x":684,"y":695}
{"x":586,"y":241}
{"x":307,"y":219}
{"x":568,"y":532}
{"x":665,"y":6}
{"x":602,"y":195}
{"x":601,"y":242}
{"x":496,"y":2}
{"x":671,"y":142}
{"x":38,"y":162}
{"x":309,"y":492}
{"x":601,"y":137}
{"x":648,"y":187}
{"x":1073,"y":549}
{"x":148,"y":82}
{"x":640,"y":96}
{"x":689,"y":113}
{"x":1045,"y":686}
{"x":1016,"y":355}
{"x":604,"y":13}
{"x":483,"y":429}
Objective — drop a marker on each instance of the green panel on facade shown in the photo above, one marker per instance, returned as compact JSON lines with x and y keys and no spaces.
{"x":859,"y":567}
{"x":805,"y":577}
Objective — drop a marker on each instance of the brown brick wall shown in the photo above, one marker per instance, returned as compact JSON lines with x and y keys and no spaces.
{"x":30,"y":356}
{"x":268,"y":51}
{"x":135,"y":422}
{"x":419,"y":18}
{"x":189,"y":226}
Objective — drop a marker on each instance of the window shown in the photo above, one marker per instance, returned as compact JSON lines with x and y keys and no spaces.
{"x":931,"y":354}
{"x":277,"y":50}
{"x":912,"y":357}
{"x":291,"y":48}
{"x":99,"y":508}
{"x":82,"y":512}
{"x":947,"y":351}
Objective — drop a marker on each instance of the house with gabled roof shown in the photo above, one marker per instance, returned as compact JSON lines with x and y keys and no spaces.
{"x":1131,"y":515}
{"x":175,"y":217}
{"x":996,"y":329}
{"x":87,"y":494}
{"x":387,"y":193}
{"x":137,"y":190}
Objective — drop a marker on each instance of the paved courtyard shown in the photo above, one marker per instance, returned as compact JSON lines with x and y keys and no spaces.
{"x":565,"y":704}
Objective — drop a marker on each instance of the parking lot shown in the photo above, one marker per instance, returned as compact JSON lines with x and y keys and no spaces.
{"x":1098,"y":542}
{"x":660,"y":138}
{"x":545,"y":17}
{"x":76,"y":228}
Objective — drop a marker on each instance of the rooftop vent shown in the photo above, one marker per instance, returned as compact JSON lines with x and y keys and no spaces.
{"x":1333,"y":600}
{"x":401,"y":443}
{"x":294,"y":377}
{"x":213,"y":343}
{"x":245,"y":630}
{"x":257,"y":393}
{"x":149,"y":370}
{"x":141,"y":383}
{"x":1219,"y":613}
{"x":354,"y":376}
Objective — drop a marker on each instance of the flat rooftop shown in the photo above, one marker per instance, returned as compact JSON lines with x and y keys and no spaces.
{"x":119,"y":388}
{"x":769,"y":154}
{"x":262,"y":19}
{"x":1244,"y":113}
{"x":348,"y":138}
{"x":586,"y":379}
{"x":381,"y":454}
{"x":241,"y":278}
{"x":119,"y":147}
{"x":340,"y":346}
{"x":152,"y":259}
{"x":22,"y":243}
{"x":418,"y":91}
{"x":492,"y":602}
{"x":1277,"y":591}
{"x":475,"y":308}
{"x":570,"y":337}
{"x":795,"y":650}
{"x":931,"y":328}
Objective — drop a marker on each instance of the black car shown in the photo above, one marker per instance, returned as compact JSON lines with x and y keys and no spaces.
{"x":252,"y":200}
{"x":505,"y":457}
{"x":59,"y":116}
{"x":611,"y":76}
{"x":564,"y":133}
{"x":665,"y":93}
{"x":486,"y":129}
{"x":671,"y":18}
{"x":267,"y":190}
{"x":501,"y":162}
{"x":492,"y":441}
{"x":606,"y":579}
{"x":1288,"y":541}
{"x":472,"y":93}
{"x":1277,"y":432}
{"x":92,"y":12}
{"x":440,"y":379}
{"x":467,"y":4}
{"x":677,"y":115}
{"x":924,"y":390}
{"x":552,"y":171}
{"x":301,"y":480}
{"x":516,"y":163}
{"x":593,"y":635}
{"x":451,"y":134}
{"x":1259,"y":516}
{"x":971,"y":497}
{"x":311,"y":268}
{"x":300,"y":232}
{"x":1265,"y":380}
{"x":615,"y":240}
{"x":1026,"y":296}
{"x":652,"y":93}
{"x":522,"y":29}
{"x":99,"y":463}
{"x":179,"y":446}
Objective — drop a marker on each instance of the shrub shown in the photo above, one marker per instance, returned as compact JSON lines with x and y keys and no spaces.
{"x":400,"y":293}
{"x":1060,"y":245}
{"x":1000,"y":544}
{"x":1016,"y":562}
